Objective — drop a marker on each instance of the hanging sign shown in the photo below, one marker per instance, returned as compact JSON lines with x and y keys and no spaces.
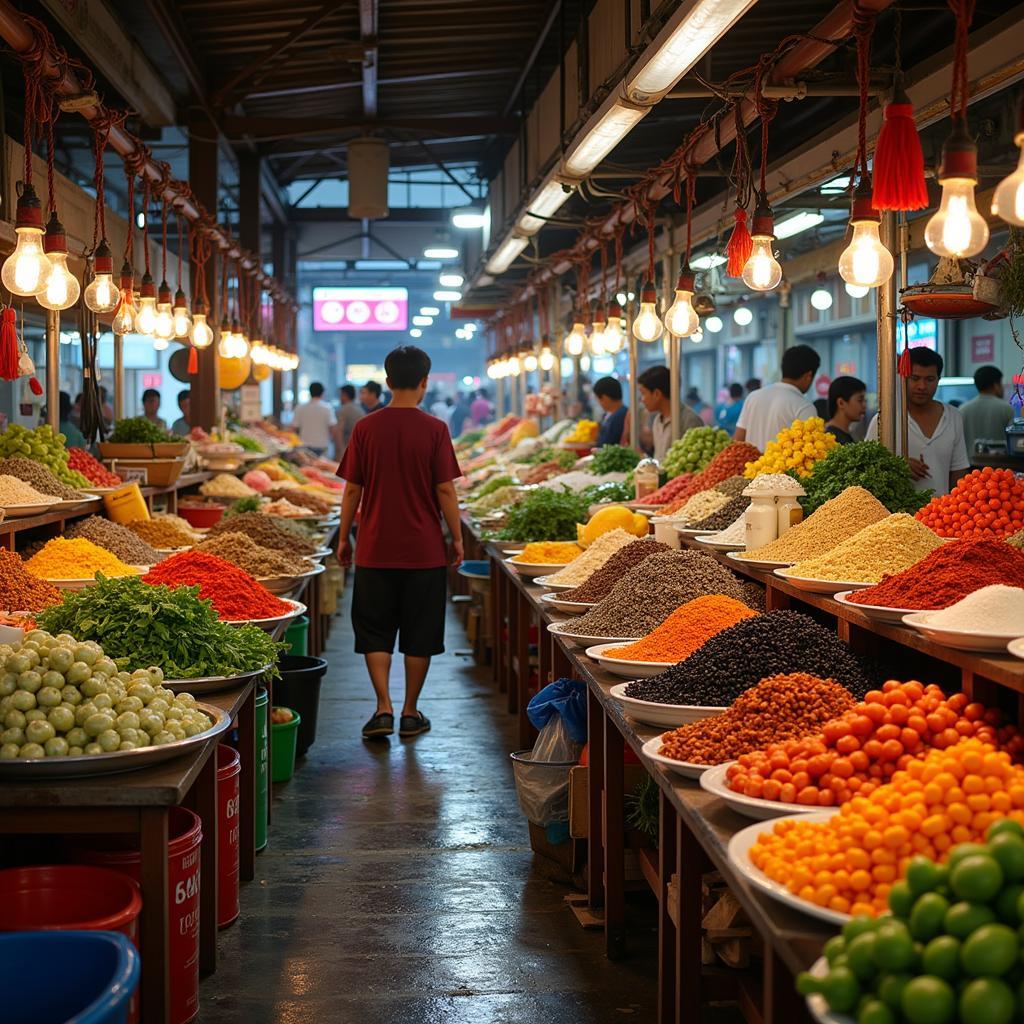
{"x":250,"y":408}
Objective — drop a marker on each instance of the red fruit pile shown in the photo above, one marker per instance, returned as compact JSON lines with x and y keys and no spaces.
{"x":730,"y":461}
{"x":93,"y":471}
{"x":986,"y":503}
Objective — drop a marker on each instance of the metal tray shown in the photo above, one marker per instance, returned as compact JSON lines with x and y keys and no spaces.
{"x":286,"y":584}
{"x":214,"y":684}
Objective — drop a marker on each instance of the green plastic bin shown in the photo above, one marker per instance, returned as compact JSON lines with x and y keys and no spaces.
{"x":297,"y":636}
{"x":286,"y":739}
{"x":262,"y":766}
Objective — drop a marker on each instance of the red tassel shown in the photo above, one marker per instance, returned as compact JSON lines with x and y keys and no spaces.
{"x":34,"y":386}
{"x":898,"y":171}
{"x":903,"y":363}
{"x":193,"y":361}
{"x":740,"y":246}
{"x":8,"y":345}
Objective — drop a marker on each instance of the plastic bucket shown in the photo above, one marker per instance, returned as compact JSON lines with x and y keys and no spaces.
{"x":262,"y":767}
{"x":184,"y":840}
{"x":297,"y":636}
{"x":286,"y":738}
{"x":76,"y":977}
{"x":229,"y":768}
{"x":299,"y":687}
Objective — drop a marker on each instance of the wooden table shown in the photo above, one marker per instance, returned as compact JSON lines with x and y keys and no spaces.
{"x":139,"y":802}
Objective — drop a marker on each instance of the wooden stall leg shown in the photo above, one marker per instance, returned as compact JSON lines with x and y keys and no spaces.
{"x":247,"y":787}
{"x":524,"y":621}
{"x":512,"y":609}
{"x":666,"y":925}
{"x":206,"y":808}
{"x":691,"y":863}
{"x":497,"y":619}
{"x":595,"y":799}
{"x":156,"y":988}
{"x":781,"y":1002}
{"x":614,"y":843}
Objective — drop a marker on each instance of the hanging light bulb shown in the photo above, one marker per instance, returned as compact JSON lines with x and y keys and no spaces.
{"x":182,"y":321}
{"x":201,"y":332}
{"x":865,"y":261}
{"x":856,"y":291}
{"x":27,"y":269}
{"x":576,"y":339}
{"x":145,"y":318}
{"x":743,"y":316}
{"x":598,"y":346}
{"x":648,"y":326}
{"x":163,"y":330}
{"x":225,"y":341}
{"x":546,"y":361}
{"x":762,"y":271}
{"x":681,"y":318}
{"x":530,"y":362}
{"x":957,"y":230}
{"x":613,"y":335}
{"x":160,"y":344}
{"x":239,"y":341}
{"x":101,"y":294}
{"x":714,"y":324}
{"x":697,"y":337}
{"x":62,"y":288}
{"x":514,"y":366}
{"x":821,"y":299}
{"x":124,"y":318}
{"x":1008,"y":200}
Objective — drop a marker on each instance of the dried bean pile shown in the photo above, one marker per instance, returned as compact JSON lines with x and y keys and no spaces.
{"x":729,"y":664}
{"x":162,"y":533}
{"x":599,"y":584}
{"x":303,"y":498}
{"x":117,"y":539}
{"x":267,"y":532}
{"x":653,"y":590}
{"x":36,"y":474}
{"x":779,"y":708}
{"x":260,"y":562}
{"x":725,"y":516}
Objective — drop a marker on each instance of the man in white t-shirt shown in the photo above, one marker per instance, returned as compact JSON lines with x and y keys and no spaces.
{"x":768,"y":410}
{"x":935,"y":431}
{"x":313,"y":421}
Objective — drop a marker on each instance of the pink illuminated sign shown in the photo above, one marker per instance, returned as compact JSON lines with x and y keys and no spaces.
{"x":360,"y":309}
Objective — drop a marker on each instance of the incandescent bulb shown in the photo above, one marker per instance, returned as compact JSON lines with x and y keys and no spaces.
{"x":124,"y":318}
{"x":182,"y":321}
{"x":164,"y":327}
{"x":743,"y":316}
{"x":547,"y":359}
{"x":514,"y":367}
{"x":160,"y":344}
{"x":714,"y":324}
{"x":145,"y":315}
{"x":648,"y":326}
{"x":530,"y":363}
{"x":697,"y":337}
{"x":101,"y":294}
{"x":613,"y":335}
{"x":576,"y":340}
{"x":27,"y":270}
{"x":821,"y":299}
{"x":62,"y":288}
{"x":202,"y":332}
{"x":762,"y":271}
{"x":856,"y":291}
{"x":866,"y":262}
{"x":1008,"y":200}
{"x":681,"y":318}
{"x":956,"y":229}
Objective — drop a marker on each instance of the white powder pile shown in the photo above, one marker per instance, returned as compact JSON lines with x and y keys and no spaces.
{"x":734,"y":533}
{"x":995,"y":609}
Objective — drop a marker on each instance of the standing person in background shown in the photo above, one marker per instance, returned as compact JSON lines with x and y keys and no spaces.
{"x":727,"y":413}
{"x":441,"y":408}
{"x":74,"y":438}
{"x":699,"y":406}
{"x":399,"y":470}
{"x":369,"y":396}
{"x":847,"y":404}
{"x":151,"y":406}
{"x":988,"y":414}
{"x":313,"y":420}
{"x":754,"y":384}
{"x":349,"y":414}
{"x":180,"y":425}
{"x":655,"y":386}
{"x":614,"y":428}
{"x":459,"y":415}
{"x":769,"y":410}
{"x":935,"y":432}
{"x":481,"y":411}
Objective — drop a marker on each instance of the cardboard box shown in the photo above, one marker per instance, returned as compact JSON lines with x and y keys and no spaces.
{"x":579,"y":795}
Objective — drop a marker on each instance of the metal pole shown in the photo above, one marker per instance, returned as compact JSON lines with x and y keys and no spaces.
{"x":886,"y":322}
{"x":118,"y":376}
{"x":634,"y":393}
{"x":904,"y":243}
{"x":53,"y":368}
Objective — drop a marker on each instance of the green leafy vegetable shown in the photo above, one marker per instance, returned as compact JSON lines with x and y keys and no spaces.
{"x":250,"y":444}
{"x":614,"y":458}
{"x":545,"y":514}
{"x":608,"y":491}
{"x":492,"y":485}
{"x":565,"y":458}
{"x":469,"y":437}
{"x":251,"y":504}
{"x":139,"y":430}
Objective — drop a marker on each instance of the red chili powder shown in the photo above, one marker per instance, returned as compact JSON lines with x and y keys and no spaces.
{"x":946,"y":575}
{"x":232,"y":591}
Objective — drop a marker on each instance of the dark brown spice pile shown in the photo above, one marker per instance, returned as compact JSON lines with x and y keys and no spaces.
{"x":36,"y":474}
{"x":301,"y":498}
{"x":599,"y":585}
{"x":733,"y":486}
{"x":725,"y":516}
{"x":267,"y":532}
{"x":258,"y":561}
{"x":117,"y":539}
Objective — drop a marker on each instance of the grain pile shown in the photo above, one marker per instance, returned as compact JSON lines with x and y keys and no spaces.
{"x":161,"y":532}
{"x":260,"y":562}
{"x":20,"y":591}
{"x":655,"y":588}
{"x":599,"y":584}
{"x":267,"y":532}
{"x":884,"y":547}
{"x":36,"y":474}
{"x":224,"y":485}
{"x":16,"y":492}
{"x":839,"y":518}
{"x":734,"y":533}
{"x":996,"y":609}
{"x":700,"y":506}
{"x":117,"y":539}
{"x":303,"y":498}
{"x":579,"y":570}
{"x":734,"y":486}
{"x":776,"y":643}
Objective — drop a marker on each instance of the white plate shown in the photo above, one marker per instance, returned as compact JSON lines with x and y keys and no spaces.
{"x":567,"y":606}
{"x":285,"y":584}
{"x":84,"y":497}
{"x":81,"y":584}
{"x":876,"y":612}
{"x":816,"y":1003}
{"x":739,"y":856}
{"x":646,"y":509}
{"x":665,"y":715}
{"x":965,"y":639}
{"x":545,"y":581}
{"x":749,"y":806}
{"x":624,"y":667}
{"x":297,"y":609}
{"x":1016,"y":647}
{"x":717,"y":545}
{"x":753,"y":563}
{"x":319,"y":555}
{"x":688,"y":531}
{"x":34,"y":509}
{"x":589,"y":641}
{"x":685,"y":768}
{"x":816,"y":586}
{"x":533,"y":569}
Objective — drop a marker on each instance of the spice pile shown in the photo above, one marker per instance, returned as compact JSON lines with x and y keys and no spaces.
{"x":117,"y":539}
{"x":232,"y":591}
{"x":729,"y":462}
{"x":579,"y":570}
{"x":798,"y":447}
{"x":686,"y":629}
{"x":986,"y":503}
{"x":599,"y":583}
{"x":284,"y":509}
{"x":548,"y":553}
{"x":38,"y":476}
{"x":78,"y":559}
{"x":946,"y":575}
{"x":835,"y":521}
{"x":20,"y":591}
{"x":643,"y":599}
{"x":699,"y":507}
{"x":994,"y":609}
{"x":224,"y":485}
{"x":725,"y":516}
{"x":303,"y":498}
{"x":734,"y":533}
{"x":16,"y":492}
{"x":92,"y":469}
{"x":267,"y":532}
{"x":776,"y":643}
{"x":1016,"y":539}
{"x":250,"y":557}
{"x":779,"y":708}
{"x":161,"y":532}
{"x":884,"y":547}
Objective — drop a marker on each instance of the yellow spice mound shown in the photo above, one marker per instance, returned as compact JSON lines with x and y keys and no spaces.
{"x":548,"y":552}
{"x":78,"y":559}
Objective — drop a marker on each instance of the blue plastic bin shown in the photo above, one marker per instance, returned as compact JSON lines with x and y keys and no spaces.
{"x":67,"y":977}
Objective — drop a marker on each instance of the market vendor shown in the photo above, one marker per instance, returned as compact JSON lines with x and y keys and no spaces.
{"x":935,"y":431}
{"x":988,"y":414}
{"x":655,"y":387}
{"x":847,"y":404}
{"x":769,"y":410}
{"x":614,"y":428}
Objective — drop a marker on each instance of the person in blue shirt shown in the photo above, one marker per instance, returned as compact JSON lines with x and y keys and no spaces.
{"x":614,"y":428}
{"x":727,"y":413}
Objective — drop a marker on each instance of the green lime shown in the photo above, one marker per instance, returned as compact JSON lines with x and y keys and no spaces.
{"x":894,"y":946}
{"x":928,"y":1000}
{"x":807,"y":984}
{"x":901,"y":900}
{"x":890,"y":988}
{"x":987,"y":1001}
{"x":958,"y":853}
{"x":841,"y":989}
{"x":923,"y":875}
{"x":874,"y":1011}
{"x":1004,"y":825}
{"x":976,"y":878}
{"x":857,"y":926}
{"x":942,"y":957}
{"x":1008,"y":849}
{"x":860,"y":955}
{"x":963,"y":917}
{"x":989,"y":950}
{"x":834,"y":947}
{"x":1007,"y":904}
{"x":927,"y":916}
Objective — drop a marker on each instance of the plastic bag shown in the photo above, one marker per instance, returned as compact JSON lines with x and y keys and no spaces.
{"x":566,"y":698}
{"x":542,"y":775}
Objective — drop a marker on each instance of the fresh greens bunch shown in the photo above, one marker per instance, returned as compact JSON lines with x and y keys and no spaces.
{"x":492,"y":485}
{"x":250,"y":444}
{"x":139,"y":626}
{"x":251,"y":504}
{"x":608,"y":491}
{"x":139,"y":430}
{"x":470,"y":437}
{"x":545,"y":514}
{"x":867,"y":464}
{"x":694,"y":450}
{"x":614,"y":458}
{"x":565,"y":458}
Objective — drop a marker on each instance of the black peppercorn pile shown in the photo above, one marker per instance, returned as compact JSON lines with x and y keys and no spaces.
{"x":739,"y":657}
{"x":724,"y":517}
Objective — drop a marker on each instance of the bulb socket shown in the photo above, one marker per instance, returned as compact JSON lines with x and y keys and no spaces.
{"x":648,"y":293}
{"x":127,"y":276}
{"x":959,"y":154}
{"x":164,"y":293}
{"x":103,"y":259}
{"x":55,"y":239}
{"x":180,"y":302}
{"x":29,"y":210}
{"x":147,"y":289}
{"x":687,"y":279}
{"x":861,"y":208}
{"x":199,"y":308}
{"x":600,"y":317}
{"x":614,"y":310}
{"x":763,"y":224}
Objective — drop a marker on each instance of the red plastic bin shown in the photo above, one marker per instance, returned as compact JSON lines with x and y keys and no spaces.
{"x":229,"y":768}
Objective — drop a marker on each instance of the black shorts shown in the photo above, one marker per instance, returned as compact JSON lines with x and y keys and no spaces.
{"x":408,"y":602}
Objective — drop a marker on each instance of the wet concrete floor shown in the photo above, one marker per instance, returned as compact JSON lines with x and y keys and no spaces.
{"x":399,"y":884}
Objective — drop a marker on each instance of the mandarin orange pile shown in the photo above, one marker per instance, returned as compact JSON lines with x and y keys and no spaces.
{"x":860,"y":750}
{"x":850,"y":862}
{"x":986,"y":503}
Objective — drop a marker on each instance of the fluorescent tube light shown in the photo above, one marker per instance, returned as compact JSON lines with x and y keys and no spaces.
{"x":505,"y":254}
{"x":451,"y":280}
{"x":443,"y":295}
{"x":546,"y":202}
{"x":708,"y":262}
{"x":802,"y":221}
{"x":440,"y":252}
{"x":422,"y":321}
{"x":610,"y":130}
{"x":429,"y":311}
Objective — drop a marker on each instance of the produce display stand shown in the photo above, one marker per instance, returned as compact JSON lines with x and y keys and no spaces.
{"x":139,"y":802}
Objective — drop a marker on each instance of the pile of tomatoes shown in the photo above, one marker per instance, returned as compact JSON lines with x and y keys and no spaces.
{"x":94,"y":471}
{"x":988,"y":503}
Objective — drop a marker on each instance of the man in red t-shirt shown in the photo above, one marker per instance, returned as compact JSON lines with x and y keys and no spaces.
{"x":398,"y":471}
